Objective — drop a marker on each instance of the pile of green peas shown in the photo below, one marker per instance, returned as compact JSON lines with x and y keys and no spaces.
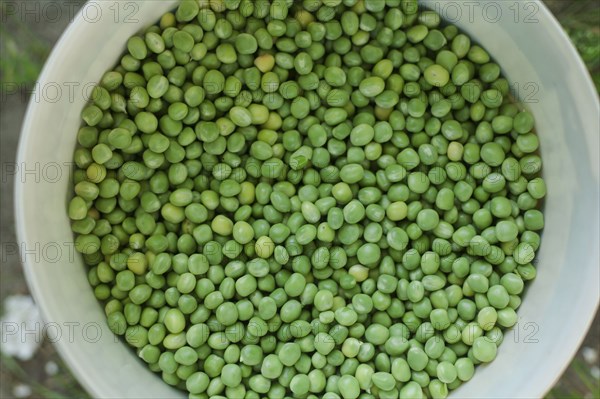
{"x":309,"y":199}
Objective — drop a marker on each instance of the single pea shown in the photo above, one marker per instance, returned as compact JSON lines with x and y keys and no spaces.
{"x":243,"y":232}
{"x":484,"y":349}
{"x":436,"y":75}
{"x":348,"y":387}
{"x":523,"y":253}
{"x":492,"y":154}
{"x":427,"y":219}
{"x":417,"y":359}
{"x":523,"y":122}
{"x":231,"y":375}
{"x":446,"y":372}
{"x":324,"y":343}
{"x":300,"y":384}
{"x":371,"y":87}
{"x":506,"y":231}
{"x":174,"y":321}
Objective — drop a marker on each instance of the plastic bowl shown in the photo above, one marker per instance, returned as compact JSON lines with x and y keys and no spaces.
{"x":546,"y":73}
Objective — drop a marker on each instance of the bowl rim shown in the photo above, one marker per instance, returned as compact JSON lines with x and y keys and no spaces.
{"x":26,"y":133}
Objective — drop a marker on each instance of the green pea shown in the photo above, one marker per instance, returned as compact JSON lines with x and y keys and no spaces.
{"x":348,"y":387}
{"x":417,"y":358}
{"x":484,"y":349}
{"x":371,"y":87}
{"x":436,"y":75}
{"x":174,"y":321}
{"x":288,"y":221}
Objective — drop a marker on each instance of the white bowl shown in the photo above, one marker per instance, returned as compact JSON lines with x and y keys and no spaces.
{"x":546,"y":73}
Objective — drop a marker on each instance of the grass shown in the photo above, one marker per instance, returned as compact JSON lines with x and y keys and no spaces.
{"x":60,"y":386}
{"x":576,"y":383}
{"x":581,"y":20}
{"x":21,"y":64}
{"x":11,"y":365}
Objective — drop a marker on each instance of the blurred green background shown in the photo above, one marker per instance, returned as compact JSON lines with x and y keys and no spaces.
{"x":25,"y":44}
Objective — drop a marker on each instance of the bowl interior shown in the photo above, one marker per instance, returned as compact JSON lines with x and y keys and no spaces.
{"x":545,"y":73}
